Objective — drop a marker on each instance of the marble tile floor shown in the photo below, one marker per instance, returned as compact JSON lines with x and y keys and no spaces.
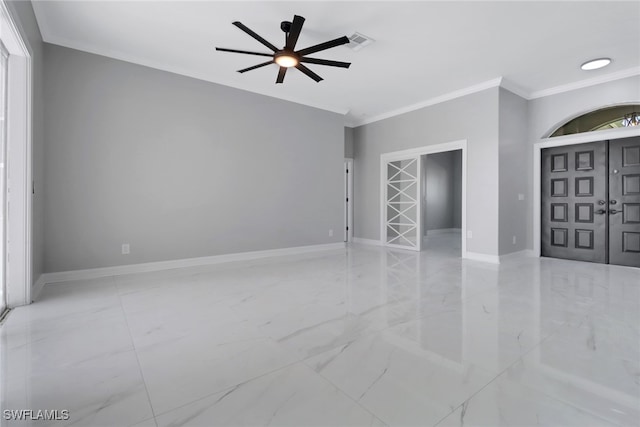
{"x":365,"y":336}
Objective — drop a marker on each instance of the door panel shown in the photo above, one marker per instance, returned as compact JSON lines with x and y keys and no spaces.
{"x":624,"y":201}
{"x":574,"y":202}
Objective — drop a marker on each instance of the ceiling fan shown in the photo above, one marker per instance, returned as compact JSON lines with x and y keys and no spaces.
{"x":288,"y":57}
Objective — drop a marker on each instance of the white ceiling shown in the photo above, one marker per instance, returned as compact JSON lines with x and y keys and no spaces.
{"x":423,"y":50}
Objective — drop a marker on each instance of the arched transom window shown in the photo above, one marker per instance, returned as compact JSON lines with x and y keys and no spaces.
{"x":605,"y":118}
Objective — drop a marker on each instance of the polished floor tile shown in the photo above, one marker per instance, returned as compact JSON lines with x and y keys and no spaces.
{"x":104,"y":391}
{"x":397,"y":380}
{"x":285,"y":397}
{"x":365,"y":336}
{"x":503,"y":403}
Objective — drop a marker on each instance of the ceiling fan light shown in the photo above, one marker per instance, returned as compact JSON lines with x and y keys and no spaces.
{"x":286,"y":60}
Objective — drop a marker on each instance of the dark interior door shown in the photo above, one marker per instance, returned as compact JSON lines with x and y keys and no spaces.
{"x":624,"y":201}
{"x":574,"y":202}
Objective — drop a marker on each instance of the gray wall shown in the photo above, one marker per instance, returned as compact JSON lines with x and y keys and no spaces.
{"x":548,"y":113}
{"x":514,"y":178}
{"x":348,"y":143}
{"x":22,"y":14}
{"x":474,"y":118}
{"x":178,"y":167}
{"x":500,"y":128}
{"x":443,"y":190}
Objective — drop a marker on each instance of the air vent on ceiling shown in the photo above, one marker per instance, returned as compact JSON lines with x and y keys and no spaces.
{"x":357,"y":41}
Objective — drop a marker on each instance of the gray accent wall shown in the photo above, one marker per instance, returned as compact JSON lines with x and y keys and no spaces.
{"x":474,"y":118}
{"x":515,"y":159}
{"x":178,"y":167}
{"x":442,"y":183}
{"x":22,"y":14}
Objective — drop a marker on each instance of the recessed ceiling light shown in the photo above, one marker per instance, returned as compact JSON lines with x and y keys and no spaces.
{"x":594,"y":64}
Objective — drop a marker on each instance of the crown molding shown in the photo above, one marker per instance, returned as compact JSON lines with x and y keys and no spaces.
{"x":605,"y":78}
{"x":432,"y":101}
{"x":497,"y":82}
{"x":505,"y":84}
{"x":514,"y":88}
{"x":132,"y":59}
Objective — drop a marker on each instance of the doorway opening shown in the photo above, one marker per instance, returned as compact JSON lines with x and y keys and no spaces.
{"x":402,"y":197}
{"x":442,"y":202}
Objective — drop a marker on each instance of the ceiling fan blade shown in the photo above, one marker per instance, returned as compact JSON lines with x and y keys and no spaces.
{"x":222,"y":49}
{"x":309,"y":73}
{"x":323,"y":46}
{"x":254,"y":35}
{"x":325,"y":62}
{"x":244,"y":70}
{"x":281,"y":73}
{"x":296,"y":27}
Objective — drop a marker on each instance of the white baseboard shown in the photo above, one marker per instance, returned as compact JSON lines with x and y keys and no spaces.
{"x":520,"y":254}
{"x":367,"y":241}
{"x":494,"y":259}
{"x":442,"y":231}
{"x":94,"y":273}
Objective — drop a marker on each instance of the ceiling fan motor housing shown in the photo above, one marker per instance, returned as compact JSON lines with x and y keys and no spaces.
{"x":285,"y":26}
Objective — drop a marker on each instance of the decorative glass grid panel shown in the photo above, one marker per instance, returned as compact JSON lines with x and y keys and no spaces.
{"x":402,"y":208}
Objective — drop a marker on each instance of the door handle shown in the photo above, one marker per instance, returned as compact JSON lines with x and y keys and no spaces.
{"x":601,"y":211}
{"x":613,"y":211}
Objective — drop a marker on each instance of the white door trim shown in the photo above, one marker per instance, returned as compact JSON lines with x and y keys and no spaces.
{"x":559,"y":141}
{"x":19,"y":162}
{"x":348,"y":194}
{"x":415,"y":152}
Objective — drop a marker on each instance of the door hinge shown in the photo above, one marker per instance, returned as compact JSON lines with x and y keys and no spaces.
{"x":347,"y":199}
{"x":347,"y":170}
{"x":347,"y":228}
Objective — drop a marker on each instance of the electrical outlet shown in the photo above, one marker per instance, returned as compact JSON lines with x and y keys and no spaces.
{"x":520,"y":196}
{"x":126,"y":250}
{"x":330,"y":233}
{"x":469,"y":234}
{"x":514,"y":240}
